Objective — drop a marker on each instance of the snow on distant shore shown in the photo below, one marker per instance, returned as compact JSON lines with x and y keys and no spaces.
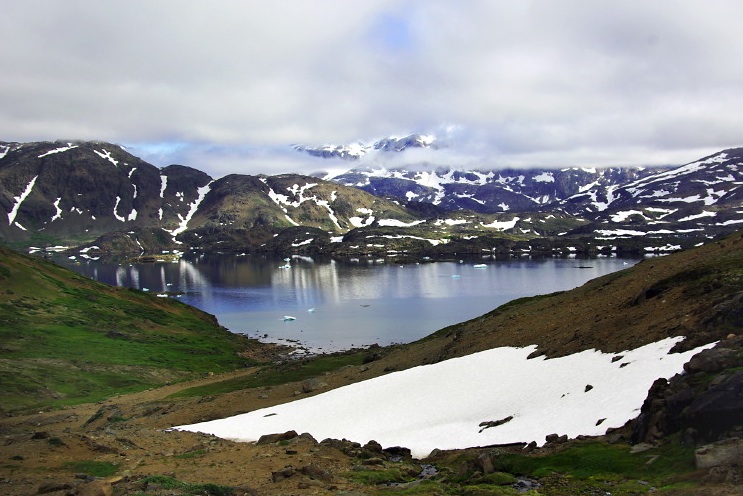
{"x":442,"y":405}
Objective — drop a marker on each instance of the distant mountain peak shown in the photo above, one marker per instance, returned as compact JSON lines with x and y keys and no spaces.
{"x":354,"y":151}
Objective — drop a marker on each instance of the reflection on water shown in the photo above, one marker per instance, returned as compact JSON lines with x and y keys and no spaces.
{"x":338,"y":305}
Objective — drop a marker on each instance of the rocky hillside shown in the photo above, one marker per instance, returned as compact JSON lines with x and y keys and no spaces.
{"x":120,"y":446}
{"x":487,"y":191}
{"x":72,"y":193}
{"x":702,"y":196}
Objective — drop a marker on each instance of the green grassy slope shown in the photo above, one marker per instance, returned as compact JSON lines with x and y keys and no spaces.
{"x":65,"y":339}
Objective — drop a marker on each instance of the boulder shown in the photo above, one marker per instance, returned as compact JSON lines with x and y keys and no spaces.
{"x":312,"y":384}
{"x":285,"y":473}
{"x":725,"y":452}
{"x":314,"y":472}
{"x":275,"y":438}
{"x":719,"y":409}
{"x":712,"y":360}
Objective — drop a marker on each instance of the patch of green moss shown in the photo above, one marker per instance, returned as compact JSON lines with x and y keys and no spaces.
{"x":595,"y":460}
{"x":92,"y":467}
{"x":187,"y":488}
{"x":379,"y":476}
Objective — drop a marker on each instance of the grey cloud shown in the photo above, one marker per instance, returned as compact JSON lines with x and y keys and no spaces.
{"x":524,"y":81}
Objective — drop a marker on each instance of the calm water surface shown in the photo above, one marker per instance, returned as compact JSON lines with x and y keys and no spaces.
{"x":339,"y":305}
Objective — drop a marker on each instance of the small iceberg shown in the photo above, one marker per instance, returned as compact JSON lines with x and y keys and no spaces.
{"x":480,"y":266}
{"x":289,"y":318}
{"x":311,"y":310}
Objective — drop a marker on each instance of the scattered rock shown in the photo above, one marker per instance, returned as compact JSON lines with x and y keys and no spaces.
{"x":398,"y":453}
{"x":285,"y":473}
{"x":555,"y":438}
{"x":314,"y":472}
{"x":96,"y":488}
{"x":494,"y":423}
{"x":485,"y":464}
{"x":725,"y":452}
{"x":712,"y":360}
{"x":719,"y":409}
{"x":371,"y":449}
{"x":51,"y":487}
{"x":312,"y":384}
{"x":275,"y":438}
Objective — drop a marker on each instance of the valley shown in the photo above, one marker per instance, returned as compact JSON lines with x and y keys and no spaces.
{"x":121,"y":444}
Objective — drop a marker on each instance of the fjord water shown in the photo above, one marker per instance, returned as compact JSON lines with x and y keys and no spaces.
{"x":328,"y":306}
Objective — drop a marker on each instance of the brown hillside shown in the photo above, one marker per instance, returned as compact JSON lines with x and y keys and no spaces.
{"x":696,"y":294}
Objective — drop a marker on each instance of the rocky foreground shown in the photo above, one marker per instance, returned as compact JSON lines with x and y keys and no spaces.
{"x":686,"y":439}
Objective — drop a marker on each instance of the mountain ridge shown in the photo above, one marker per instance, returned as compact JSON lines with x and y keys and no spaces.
{"x":89,"y":194}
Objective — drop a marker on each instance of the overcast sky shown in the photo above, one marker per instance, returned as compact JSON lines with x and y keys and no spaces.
{"x":227,"y":86}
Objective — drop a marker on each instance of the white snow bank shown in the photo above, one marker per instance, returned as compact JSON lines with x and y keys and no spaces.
{"x":442,"y":405}
{"x":502,"y":225}
{"x":19,"y":199}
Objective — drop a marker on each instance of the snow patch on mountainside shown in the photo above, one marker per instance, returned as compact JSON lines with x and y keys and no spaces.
{"x":106,"y":155}
{"x":58,"y":214}
{"x":398,"y":223}
{"x":163,"y":185}
{"x":60,"y":149}
{"x":19,"y":199}
{"x":445,"y":405}
{"x":361,"y":221}
{"x":203,"y":191}
{"x":502,"y":225}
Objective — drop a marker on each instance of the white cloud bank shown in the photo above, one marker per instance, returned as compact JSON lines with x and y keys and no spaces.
{"x":442,"y":405}
{"x":537,"y":83}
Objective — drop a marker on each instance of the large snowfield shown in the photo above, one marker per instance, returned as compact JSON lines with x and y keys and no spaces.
{"x":442,"y":405}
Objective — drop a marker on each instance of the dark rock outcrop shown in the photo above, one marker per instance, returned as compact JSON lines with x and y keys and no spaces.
{"x":705,"y":403}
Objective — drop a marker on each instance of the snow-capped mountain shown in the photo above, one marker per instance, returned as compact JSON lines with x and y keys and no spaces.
{"x":486,"y":191}
{"x":355,"y":151}
{"x":71,"y":193}
{"x":703,"y":196}
{"x":81,"y":189}
{"x":483,"y":189}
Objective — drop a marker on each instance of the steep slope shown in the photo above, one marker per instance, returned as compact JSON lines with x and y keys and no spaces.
{"x":702,"y":196}
{"x":71,"y":192}
{"x":65,"y":339}
{"x":486,"y":190}
{"x":249,"y":212}
{"x":100,"y":198}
